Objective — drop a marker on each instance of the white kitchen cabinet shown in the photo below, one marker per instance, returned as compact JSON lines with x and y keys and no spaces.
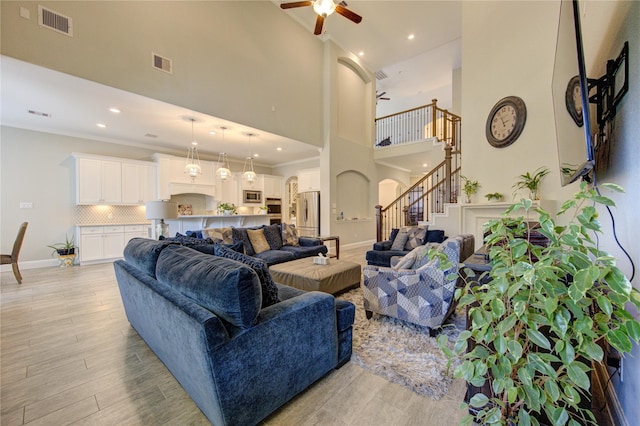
{"x":229,"y":191}
{"x":98,"y":181}
{"x":138,"y":183}
{"x":256,"y":185}
{"x":135,"y":231}
{"x":309,"y":180}
{"x":272,"y":186}
{"x":101,"y":243}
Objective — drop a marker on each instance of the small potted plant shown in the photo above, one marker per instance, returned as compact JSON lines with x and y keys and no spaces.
{"x":470,"y":187}
{"x":263,"y":209}
{"x":66,"y":251}
{"x":531,"y":182}
{"x":494,"y":196}
{"x":227,"y":209}
{"x":541,"y":316}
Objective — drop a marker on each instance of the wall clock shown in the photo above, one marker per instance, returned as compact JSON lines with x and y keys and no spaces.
{"x":506,"y":121}
{"x":573,"y":100}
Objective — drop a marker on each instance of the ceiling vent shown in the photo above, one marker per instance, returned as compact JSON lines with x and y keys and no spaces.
{"x":380,"y":75}
{"x":55,"y":21}
{"x":162,"y":64}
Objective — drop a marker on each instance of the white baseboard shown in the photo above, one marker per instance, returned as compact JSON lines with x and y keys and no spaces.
{"x":367,"y":243}
{"x":32,"y":264}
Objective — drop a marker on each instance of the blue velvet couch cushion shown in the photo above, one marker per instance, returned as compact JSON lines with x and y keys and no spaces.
{"x":269,"y":289}
{"x":273,"y":236}
{"x":227,"y":288}
{"x":305,"y":251}
{"x":273,"y":257}
{"x":143,"y":253}
{"x":381,"y":253}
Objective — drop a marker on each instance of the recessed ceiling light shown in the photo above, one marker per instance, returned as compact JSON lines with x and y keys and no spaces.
{"x":411,"y":36}
{"x":114,"y":110}
{"x":211,"y":132}
{"x":278,"y":149}
{"x":424,"y":164}
{"x":101,"y":125}
{"x":361,"y":53}
{"x":256,"y":155}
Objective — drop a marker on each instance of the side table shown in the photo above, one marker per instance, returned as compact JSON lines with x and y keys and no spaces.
{"x":335,"y":238}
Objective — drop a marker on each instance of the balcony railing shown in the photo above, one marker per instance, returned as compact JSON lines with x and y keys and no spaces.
{"x":418,"y":124}
{"x":439,"y":186}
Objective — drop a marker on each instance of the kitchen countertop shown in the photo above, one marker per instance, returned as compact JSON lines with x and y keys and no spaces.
{"x":112,"y":224}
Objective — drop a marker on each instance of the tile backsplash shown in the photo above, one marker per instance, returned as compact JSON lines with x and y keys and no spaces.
{"x":105,"y":215}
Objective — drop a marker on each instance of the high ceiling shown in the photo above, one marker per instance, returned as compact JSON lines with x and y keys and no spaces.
{"x":76,"y":105}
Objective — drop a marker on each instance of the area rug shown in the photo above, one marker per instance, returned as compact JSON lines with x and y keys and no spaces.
{"x":402,"y":352}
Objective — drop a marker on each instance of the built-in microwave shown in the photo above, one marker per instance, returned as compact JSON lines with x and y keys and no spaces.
{"x":249,"y":196}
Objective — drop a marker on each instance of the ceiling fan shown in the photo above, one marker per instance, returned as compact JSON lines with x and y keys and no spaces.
{"x":380,"y":96}
{"x":324,"y":8}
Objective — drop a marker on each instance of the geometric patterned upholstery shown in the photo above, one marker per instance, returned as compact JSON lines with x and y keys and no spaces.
{"x":421,"y":296}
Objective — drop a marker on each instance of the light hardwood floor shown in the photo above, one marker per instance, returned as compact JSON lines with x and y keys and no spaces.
{"x":69,"y":356}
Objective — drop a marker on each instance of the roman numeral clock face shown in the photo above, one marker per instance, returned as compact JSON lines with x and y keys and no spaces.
{"x":506,"y":121}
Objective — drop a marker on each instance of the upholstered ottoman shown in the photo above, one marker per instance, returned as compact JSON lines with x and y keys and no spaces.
{"x":333,"y":278}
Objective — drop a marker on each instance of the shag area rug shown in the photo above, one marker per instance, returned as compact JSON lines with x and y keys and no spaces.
{"x":400,"y":351}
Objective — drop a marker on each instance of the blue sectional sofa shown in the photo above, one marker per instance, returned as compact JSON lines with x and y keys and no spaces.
{"x":272,"y":243}
{"x":204,"y":317}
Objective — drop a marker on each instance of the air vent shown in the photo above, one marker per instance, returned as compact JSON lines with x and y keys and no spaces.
{"x":55,"y":21}
{"x":39,"y":114}
{"x":161,"y":63}
{"x":380,"y":75}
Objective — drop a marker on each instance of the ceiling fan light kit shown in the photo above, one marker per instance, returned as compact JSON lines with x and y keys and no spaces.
{"x":324,"y":8}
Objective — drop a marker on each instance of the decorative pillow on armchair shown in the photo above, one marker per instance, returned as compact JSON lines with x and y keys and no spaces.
{"x":220,"y":235}
{"x":416,"y":236}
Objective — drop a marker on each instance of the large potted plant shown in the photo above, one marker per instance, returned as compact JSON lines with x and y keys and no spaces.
{"x":541,"y":316}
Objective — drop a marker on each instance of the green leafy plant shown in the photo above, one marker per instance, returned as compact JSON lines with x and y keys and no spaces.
{"x":541,"y":316}
{"x":227,"y":207}
{"x":531,"y":182}
{"x":494,"y":196}
{"x":470,"y":187}
{"x":66,"y":248}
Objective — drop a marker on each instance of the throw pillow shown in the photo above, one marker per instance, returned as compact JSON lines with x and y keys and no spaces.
{"x":423,"y":255}
{"x":416,"y":237}
{"x":274,"y":236}
{"x":394,"y":233}
{"x":400,"y":240}
{"x":219,"y":235}
{"x":240,"y":235}
{"x":406,"y":261}
{"x":434,"y":236}
{"x":289,"y":235}
{"x":258,"y":241}
{"x":269,"y":288}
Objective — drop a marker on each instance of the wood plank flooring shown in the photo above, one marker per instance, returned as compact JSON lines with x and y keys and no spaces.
{"x":69,"y":356}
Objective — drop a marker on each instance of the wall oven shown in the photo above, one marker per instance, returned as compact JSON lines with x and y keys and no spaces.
{"x":274,"y":210}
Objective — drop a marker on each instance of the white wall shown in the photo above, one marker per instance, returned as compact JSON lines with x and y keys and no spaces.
{"x":237,"y":60}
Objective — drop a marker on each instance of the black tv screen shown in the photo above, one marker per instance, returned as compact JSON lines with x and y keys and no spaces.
{"x":571,"y":98}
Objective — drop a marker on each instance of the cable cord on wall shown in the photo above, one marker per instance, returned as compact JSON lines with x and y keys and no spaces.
{"x":615,"y":235}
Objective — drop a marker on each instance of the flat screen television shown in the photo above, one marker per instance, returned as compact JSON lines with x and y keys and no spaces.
{"x":571,"y":98}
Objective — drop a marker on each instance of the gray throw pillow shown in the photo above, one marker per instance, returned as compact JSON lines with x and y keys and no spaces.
{"x":416,"y":237}
{"x":400,"y":240}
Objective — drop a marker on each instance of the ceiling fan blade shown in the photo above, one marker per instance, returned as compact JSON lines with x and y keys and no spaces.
{"x":385,"y":99}
{"x":319,"y":23}
{"x":352,"y":16}
{"x":295,"y":4}
{"x":381,"y":94}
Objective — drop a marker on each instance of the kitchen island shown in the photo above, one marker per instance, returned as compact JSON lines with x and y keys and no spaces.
{"x":196,"y":222}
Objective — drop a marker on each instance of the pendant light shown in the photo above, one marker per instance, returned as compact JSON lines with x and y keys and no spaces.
{"x":223,"y":172}
{"x":249,"y":176}
{"x":193,"y":168}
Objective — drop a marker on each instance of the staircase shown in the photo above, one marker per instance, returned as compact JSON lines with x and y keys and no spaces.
{"x":440,"y":186}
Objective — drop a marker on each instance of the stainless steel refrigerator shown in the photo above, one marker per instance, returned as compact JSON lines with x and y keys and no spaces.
{"x":308,"y":215}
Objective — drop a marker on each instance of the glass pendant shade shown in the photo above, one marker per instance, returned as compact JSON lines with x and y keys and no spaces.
{"x":193,"y":168}
{"x":324,"y":7}
{"x":223,"y":172}
{"x":249,"y":176}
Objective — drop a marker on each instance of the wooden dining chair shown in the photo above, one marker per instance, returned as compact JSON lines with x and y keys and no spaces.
{"x":12,"y":258}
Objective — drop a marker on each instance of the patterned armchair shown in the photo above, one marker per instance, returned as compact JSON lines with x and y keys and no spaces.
{"x":416,"y":289}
